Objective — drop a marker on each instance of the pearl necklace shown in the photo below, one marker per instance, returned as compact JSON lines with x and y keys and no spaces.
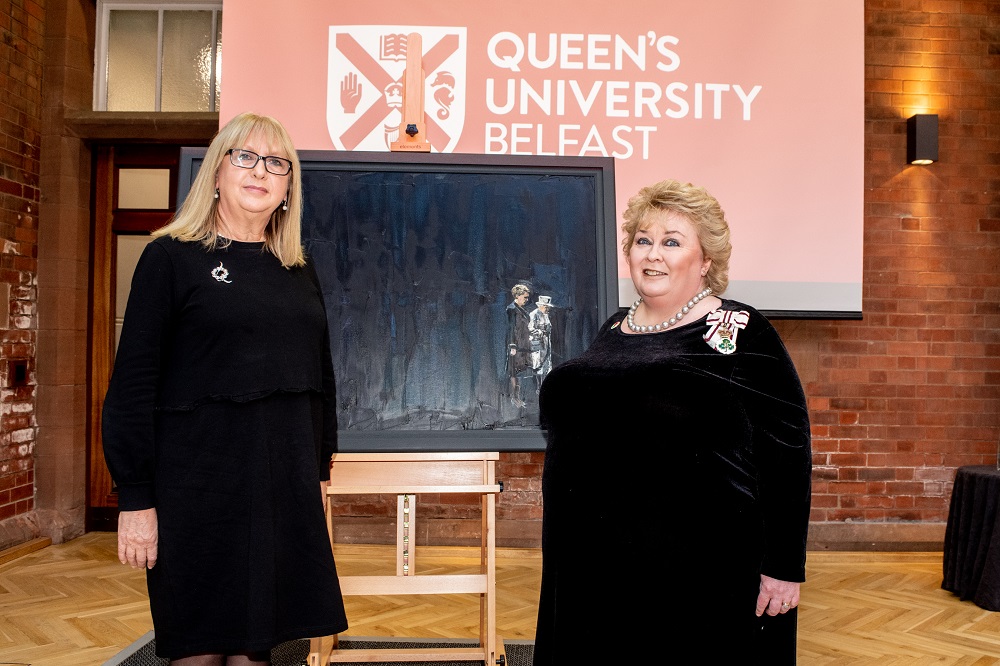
{"x":668,"y":323}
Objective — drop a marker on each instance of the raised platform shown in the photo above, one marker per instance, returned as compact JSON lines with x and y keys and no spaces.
{"x":882,"y":537}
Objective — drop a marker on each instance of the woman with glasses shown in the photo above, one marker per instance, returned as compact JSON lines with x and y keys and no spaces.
{"x":219,"y":423}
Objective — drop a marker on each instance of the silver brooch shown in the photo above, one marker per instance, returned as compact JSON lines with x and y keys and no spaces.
{"x":220,"y":273}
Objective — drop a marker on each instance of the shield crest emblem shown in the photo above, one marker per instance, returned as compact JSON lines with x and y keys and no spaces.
{"x":365,"y":91}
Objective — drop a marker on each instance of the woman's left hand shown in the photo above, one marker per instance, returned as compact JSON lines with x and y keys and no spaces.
{"x":776,"y":596}
{"x":138,"y":538}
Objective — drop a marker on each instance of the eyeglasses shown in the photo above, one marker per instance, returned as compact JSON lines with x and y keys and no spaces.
{"x":247,"y":159}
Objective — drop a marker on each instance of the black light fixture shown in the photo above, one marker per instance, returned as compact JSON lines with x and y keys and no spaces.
{"x":922,"y":138}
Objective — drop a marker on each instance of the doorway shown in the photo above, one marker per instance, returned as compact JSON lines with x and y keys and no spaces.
{"x":135,"y":192}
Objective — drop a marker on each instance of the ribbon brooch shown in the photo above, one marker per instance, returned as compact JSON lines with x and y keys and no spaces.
{"x":723,"y":326}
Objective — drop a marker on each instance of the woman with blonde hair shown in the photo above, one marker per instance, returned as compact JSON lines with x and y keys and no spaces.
{"x":220,"y":419}
{"x":679,"y":441}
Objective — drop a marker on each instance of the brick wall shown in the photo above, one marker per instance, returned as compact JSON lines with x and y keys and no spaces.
{"x":21,"y":35}
{"x":904,"y":397}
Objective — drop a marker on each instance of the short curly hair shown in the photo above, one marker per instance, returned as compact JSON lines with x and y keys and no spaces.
{"x":698,"y":206}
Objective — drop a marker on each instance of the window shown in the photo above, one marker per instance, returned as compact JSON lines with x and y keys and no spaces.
{"x":155,"y":56}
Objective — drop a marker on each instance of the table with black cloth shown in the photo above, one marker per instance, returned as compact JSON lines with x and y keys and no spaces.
{"x":972,"y":537}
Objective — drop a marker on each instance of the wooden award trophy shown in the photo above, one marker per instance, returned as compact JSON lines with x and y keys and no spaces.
{"x":413,"y":129}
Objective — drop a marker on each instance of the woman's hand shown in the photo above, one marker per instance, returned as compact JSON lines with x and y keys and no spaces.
{"x":776,"y":596}
{"x":137,"y":538}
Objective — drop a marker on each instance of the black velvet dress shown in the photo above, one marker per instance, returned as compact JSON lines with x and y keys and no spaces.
{"x":221,"y":415}
{"x":676,"y":472}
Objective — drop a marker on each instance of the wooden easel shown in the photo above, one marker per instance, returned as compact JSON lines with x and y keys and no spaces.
{"x":407,"y":475}
{"x":413,"y":129}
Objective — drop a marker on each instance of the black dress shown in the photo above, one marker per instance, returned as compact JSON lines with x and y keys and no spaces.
{"x":676,"y":472}
{"x":221,"y":415}
{"x":518,"y":341}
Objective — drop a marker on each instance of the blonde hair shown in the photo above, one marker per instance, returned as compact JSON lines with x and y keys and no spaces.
{"x":196,"y":219}
{"x":519,"y":290}
{"x":700,"y":208}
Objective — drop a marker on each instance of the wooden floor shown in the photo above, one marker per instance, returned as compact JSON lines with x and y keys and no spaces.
{"x":73,"y":604}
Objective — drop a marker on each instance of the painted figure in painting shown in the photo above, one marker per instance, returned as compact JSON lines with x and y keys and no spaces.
{"x":518,"y":342}
{"x":540,"y":332}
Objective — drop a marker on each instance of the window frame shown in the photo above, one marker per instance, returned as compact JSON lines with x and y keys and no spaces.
{"x":104,"y":9}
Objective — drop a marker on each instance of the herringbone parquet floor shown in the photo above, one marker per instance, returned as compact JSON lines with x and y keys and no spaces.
{"x":73,"y":604}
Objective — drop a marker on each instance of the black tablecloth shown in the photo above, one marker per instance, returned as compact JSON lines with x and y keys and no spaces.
{"x":972,"y":537}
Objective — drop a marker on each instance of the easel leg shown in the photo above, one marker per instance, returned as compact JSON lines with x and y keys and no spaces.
{"x":320,"y":649}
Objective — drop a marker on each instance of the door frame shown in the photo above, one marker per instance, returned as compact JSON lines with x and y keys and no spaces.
{"x":108,"y":222}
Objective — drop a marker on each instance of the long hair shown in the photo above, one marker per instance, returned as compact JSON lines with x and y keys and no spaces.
{"x":698,"y":206}
{"x":196,"y":219}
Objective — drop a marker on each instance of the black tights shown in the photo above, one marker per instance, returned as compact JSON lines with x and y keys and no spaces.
{"x":247,"y":659}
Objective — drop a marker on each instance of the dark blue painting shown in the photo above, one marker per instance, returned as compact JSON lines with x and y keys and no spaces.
{"x":418,"y":263}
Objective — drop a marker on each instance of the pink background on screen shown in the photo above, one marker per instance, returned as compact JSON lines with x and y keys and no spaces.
{"x":790,"y":178}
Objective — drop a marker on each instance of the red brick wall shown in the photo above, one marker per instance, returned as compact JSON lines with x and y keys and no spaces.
{"x":904,"y":397}
{"x":21,"y":37}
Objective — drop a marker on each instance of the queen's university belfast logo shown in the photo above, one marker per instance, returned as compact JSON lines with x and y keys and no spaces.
{"x":365,"y":85}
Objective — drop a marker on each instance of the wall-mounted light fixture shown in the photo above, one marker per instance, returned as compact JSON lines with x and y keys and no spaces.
{"x":922,"y":138}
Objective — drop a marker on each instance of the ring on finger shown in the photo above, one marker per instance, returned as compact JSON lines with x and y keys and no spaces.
{"x":785,"y":606}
